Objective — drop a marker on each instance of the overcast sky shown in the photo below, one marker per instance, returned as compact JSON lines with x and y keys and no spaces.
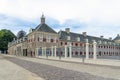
{"x":96,"y":17}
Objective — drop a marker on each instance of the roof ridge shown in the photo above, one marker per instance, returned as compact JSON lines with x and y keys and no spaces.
{"x":45,"y":28}
{"x":86,"y":35}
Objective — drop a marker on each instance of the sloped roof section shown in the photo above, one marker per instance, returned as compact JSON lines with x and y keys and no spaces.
{"x":63,"y":36}
{"x":117,"y":38}
{"x":45,"y":28}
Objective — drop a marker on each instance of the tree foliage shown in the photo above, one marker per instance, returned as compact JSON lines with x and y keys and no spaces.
{"x":21,"y":34}
{"x":5,"y":37}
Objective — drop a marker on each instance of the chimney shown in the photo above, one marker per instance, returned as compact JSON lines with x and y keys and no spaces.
{"x":110,"y":38}
{"x":67,"y":30}
{"x":84,"y":33}
{"x":101,"y":37}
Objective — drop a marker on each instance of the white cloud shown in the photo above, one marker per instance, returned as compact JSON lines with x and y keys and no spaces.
{"x":99,"y":15}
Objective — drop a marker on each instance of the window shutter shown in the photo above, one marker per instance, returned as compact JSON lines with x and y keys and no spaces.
{"x":38,"y":38}
{"x":65,"y":43}
{"x":61,"y":43}
{"x":44,"y":39}
{"x":76,"y":44}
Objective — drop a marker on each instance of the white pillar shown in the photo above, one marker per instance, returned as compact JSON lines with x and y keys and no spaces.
{"x":70,"y":51}
{"x":87,"y":50}
{"x":45,"y":50}
{"x":42,"y":52}
{"x":37,"y":51}
{"x":65,"y":51}
{"x":94,"y":50}
{"x":55,"y":51}
{"x":52,"y":50}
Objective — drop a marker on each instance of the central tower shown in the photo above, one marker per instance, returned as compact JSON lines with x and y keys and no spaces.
{"x":42,"y":19}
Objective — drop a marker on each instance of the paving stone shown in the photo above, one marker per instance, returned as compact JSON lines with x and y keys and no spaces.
{"x":54,"y":73}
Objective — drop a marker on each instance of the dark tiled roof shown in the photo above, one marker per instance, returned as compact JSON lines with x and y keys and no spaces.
{"x":45,"y":28}
{"x":73,"y":37}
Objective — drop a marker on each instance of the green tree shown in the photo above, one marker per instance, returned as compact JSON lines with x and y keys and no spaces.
{"x":5,"y":37}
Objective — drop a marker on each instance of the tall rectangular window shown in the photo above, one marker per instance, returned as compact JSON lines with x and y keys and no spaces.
{"x":48,"y":38}
{"x":55,"y":40}
{"x":41,"y":38}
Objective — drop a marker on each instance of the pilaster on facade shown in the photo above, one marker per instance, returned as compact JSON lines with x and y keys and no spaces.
{"x":94,"y":50}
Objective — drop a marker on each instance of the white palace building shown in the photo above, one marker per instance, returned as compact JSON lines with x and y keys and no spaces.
{"x":44,"y":41}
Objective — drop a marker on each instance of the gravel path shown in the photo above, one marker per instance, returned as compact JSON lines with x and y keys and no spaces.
{"x":53,"y":73}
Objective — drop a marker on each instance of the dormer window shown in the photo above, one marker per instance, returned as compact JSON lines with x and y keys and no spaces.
{"x":109,"y":42}
{"x":86,"y":40}
{"x":31,"y":30}
{"x":68,"y":37}
{"x":100,"y":42}
{"x":78,"y":38}
{"x":105,"y":42}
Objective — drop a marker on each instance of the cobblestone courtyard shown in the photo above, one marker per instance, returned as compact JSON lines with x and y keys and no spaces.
{"x":57,"y":70}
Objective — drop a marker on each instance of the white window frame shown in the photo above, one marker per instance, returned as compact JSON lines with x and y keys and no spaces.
{"x":78,"y":38}
{"x":68,"y":37}
{"x":41,"y":38}
{"x":55,"y":40}
{"x":48,"y":38}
